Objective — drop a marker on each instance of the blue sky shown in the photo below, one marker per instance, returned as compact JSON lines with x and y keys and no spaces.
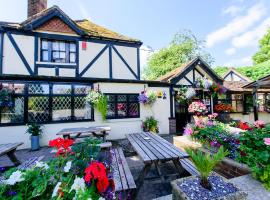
{"x":230,"y":28}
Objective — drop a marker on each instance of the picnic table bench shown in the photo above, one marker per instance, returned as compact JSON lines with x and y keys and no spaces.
{"x":9,"y":150}
{"x":82,"y":132}
{"x":123,"y":179}
{"x":154,"y":150}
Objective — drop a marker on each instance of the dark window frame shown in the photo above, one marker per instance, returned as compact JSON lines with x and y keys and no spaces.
{"x":128,"y":102}
{"x":50,"y":95}
{"x":50,"y":50}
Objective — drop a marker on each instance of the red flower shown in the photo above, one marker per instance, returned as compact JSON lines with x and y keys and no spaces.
{"x":97,"y":171}
{"x":244,"y":126}
{"x":243,"y":154}
{"x":62,"y":145}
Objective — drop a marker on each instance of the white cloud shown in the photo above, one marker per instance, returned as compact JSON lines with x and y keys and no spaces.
{"x":230,"y":51}
{"x":251,"y":38}
{"x":237,"y":26}
{"x":232,"y":10}
{"x":145,"y":53}
{"x":245,"y":61}
{"x":83,"y":10}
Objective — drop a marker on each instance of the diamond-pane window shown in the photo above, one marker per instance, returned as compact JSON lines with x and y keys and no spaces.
{"x":133,"y":110}
{"x":82,"y":109}
{"x":38,"y":109}
{"x":82,"y":89}
{"x":38,"y":88}
{"x":111,"y":110}
{"x":122,"y":109}
{"x":13,"y":112}
{"x":61,"y":89}
{"x":121,"y":98}
{"x":61,"y":110}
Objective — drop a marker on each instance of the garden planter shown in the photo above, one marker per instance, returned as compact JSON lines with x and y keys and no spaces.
{"x":189,"y":188}
{"x":34,"y":143}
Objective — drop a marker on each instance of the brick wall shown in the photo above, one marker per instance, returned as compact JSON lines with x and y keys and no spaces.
{"x":172,"y":125}
{"x":56,"y":25}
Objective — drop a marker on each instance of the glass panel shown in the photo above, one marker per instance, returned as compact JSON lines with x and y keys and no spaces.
{"x":111,"y":110}
{"x":56,"y":55}
{"x":82,"y":89}
{"x":38,"y":109}
{"x":63,"y":55}
{"x":72,"y":47}
{"x":61,"y":108}
{"x":122,"y":98}
{"x":111,"y":97}
{"x":133,"y":98}
{"x":38,"y":89}
{"x":82,"y":109}
{"x":13,"y":111}
{"x":72,"y":57}
{"x":133,"y":110}
{"x":45,"y":56}
{"x":55,"y":46}
{"x":122,"y":109}
{"x":11,"y":88}
{"x":62,"y":46}
{"x":44,"y":44}
{"x":61,"y":89}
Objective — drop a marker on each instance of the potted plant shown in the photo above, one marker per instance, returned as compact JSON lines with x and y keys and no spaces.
{"x":150,"y":124}
{"x":99,"y":101}
{"x":206,"y":186}
{"x":35,"y":130}
{"x":147,"y":97}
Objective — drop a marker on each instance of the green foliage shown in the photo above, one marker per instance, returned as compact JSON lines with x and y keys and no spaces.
{"x":183,"y":48}
{"x":221,"y":70}
{"x":99,"y":101}
{"x":256,"y":154}
{"x":205,"y":163}
{"x":34,"y":129}
{"x":264,"y":49}
{"x":150,"y":124}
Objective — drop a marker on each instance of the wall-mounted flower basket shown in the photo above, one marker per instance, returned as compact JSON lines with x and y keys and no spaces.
{"x":148,"y":97}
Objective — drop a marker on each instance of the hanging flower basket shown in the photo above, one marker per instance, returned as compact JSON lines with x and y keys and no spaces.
{"x":148,"y":97}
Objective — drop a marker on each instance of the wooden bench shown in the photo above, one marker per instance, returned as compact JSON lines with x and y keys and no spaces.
{"x":9,"y":150}
{"x":123,"y":179}
{"x":189,"y":166}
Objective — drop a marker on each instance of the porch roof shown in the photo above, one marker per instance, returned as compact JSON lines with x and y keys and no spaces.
{"x":238,"y":86}
{"x":262,"y":83}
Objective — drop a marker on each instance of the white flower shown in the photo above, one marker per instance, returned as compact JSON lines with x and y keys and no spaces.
{"x":56,"y":189}
{"x":42,"y":165}
{"x":101,"y":198}
{"x":190,"y":93}
{"x":15,"y":177}
{"x":68,"y":166}
{"x":78,"y":184}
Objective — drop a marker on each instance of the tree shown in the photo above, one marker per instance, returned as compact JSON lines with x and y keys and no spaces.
{"x":184,"y":47}
{"x":264,"y":49}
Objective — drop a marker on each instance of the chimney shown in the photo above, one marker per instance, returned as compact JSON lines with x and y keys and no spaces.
{"x":36,"y":6}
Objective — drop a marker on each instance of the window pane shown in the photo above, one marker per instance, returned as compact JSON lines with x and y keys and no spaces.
{"x":11,"y":88}
{"x":133,"y":98}
{"x":38,"y":109}
{"x":82,"y":109}
{"x":72,"y":57}
{"x":61,"y":108}
{"x":44,"y":44}
{"x":111,"y":97}
{"x":38,"y":89}
{"x":56,"y":55}
{"x":63,"y":55}
{"x":122,"y":98}
{"x":62,"y":46}
{"x":111,"y":110}
{"x":12,"y":111}
{"x":72,"y":47}
{"x":133,"y":110}
{"x":45,"y":56}
{"x":55,"y":46}
{"x":82,"y":89}
{"x":61,"y":89}
{"x":122,"y":109}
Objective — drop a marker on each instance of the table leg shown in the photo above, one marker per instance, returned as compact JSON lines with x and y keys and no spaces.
{"x":142,"y":175}
{"x":159,"y":172}
{"x":13,"y":158}
{"x":178,"y":166}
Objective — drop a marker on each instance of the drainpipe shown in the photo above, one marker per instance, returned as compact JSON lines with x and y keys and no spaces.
{"x":255,"y":104}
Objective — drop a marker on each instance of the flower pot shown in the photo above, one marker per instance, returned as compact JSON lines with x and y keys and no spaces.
{"x":224,"y":117}
{"x":34,"y":142}
{"x":189,"y":188}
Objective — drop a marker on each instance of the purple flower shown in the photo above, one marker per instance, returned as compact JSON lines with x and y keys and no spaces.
{"x":214,"y":143}
{"x":12,"y":193}
{"x":143,"y":98}
{"x":2,"y":169}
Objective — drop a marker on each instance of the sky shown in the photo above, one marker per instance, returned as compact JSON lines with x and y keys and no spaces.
{"x":231,"y":29}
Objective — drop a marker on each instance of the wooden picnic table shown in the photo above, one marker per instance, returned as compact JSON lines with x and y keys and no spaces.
{"x":9,"y":150}
{"x":154,"y":150}
{"x":82,"y":132}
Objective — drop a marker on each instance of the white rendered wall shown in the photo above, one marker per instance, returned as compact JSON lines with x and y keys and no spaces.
{"x":264,"y":116}
{"x":119,"y":127}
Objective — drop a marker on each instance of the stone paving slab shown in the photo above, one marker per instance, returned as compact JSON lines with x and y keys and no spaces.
{"x":252,"y":187}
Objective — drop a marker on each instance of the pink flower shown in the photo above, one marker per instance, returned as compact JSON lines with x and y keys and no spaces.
{"x":188,"y":130}
{"x":259,"y":124}
{"x":267,"y":141}
{"x":212,"y":116}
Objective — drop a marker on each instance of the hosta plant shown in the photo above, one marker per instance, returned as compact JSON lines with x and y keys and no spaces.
{"x":205,"y":163}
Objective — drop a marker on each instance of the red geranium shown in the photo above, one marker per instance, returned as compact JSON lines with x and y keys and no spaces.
{"x":244,"y":126}
{"x":97,"y":171}
{"x":62,"y":145}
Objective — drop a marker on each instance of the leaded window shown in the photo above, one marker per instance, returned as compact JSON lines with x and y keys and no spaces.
{"x":123,"y":106}
{"x":58,"y":51}
{"x":41,"y":102}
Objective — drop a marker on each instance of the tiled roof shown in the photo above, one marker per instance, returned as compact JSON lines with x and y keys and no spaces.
{"x":95,"y":30}
{"x":238,"y":86}
{"x":89,"y":28}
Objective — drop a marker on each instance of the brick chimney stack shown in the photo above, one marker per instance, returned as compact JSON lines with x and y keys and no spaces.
{"x":36,"y":6}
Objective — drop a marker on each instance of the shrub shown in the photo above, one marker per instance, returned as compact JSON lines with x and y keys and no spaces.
{"x":255,"y":152}
{"x":150,"y":124}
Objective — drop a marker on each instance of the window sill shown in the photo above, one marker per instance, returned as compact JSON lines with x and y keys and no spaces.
{"x":56,"y":64}
{"x":116,"y":120}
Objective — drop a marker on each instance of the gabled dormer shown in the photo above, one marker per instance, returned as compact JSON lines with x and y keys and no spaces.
{"x":50,"y":43}
{"x":233,"y":75}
